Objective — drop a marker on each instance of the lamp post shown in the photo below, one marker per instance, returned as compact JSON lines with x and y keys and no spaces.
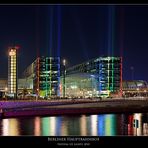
{"x":6,"y":91}
{"x":138,"y":92}
{"x":37,"y":94}
{"x":145,"y":93}
{"x":64,"y":73}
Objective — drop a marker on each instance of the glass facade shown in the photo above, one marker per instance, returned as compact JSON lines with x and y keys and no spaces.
{"x":110,"y":75}
{"x":12,"y":71}
{"x":46,"y":77}
{"x":80,"y":85}
{"x":104,"y":72}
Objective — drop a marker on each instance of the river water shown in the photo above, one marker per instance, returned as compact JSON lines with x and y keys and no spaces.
{"x":134,"y":124}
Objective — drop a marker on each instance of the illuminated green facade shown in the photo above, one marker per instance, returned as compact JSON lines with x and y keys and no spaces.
{"x":110,"y":75}
{"x":46,"y":76}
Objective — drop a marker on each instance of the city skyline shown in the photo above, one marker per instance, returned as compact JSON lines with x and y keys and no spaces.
{"x":79,"y":33}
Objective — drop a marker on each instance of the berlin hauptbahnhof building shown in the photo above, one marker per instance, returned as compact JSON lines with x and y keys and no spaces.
{"x":48,"y":77}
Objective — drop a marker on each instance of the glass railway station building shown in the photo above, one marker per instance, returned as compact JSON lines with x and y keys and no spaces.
{"x":98,"y":77}
{"x":44,"y":73}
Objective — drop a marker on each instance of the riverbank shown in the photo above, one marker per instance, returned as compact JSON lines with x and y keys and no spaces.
{"x":69,"y":107}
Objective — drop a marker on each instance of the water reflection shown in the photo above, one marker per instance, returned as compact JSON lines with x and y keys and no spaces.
{"x":64,"y":131}
{"x":52,"y":126}
{"x":110,"y":125}
{"x":37,"y":126}
{"x":124,"y":124}
{"x":137,"y":124}
{"x":5,"y":125}
{"x":10,"y":127}
{"x":26,"y":125}
{"x":83,"y":126}
{"x":101,"y":127}
{"x":91,"y":125}
{"x":130,"y":125}
{"x":58,"y":126}
{"x":145,"y":129}
{"x":94,"y":120}
{"x":73,"y":127}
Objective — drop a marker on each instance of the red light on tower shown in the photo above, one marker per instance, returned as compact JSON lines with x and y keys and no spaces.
{"x":17,"y":46}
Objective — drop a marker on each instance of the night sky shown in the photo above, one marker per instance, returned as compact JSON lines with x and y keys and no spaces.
{"x":76,"y":33}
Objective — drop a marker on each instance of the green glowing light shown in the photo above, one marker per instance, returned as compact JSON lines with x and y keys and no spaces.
{"x":112,"y":74}
{"x":50,"y":71}
{"x":108,"y":78}
{"x":45,"y":126}
{"x":43,"y":92}
{"x":110,"y":125}
{"x":46,"y":77}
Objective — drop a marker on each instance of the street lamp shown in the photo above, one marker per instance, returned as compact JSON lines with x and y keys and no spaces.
{"x":145,"y":93}
{"x":64,"y":73}
{"x":6,"y":91}
{"x":138,"y":92}
{"x":37,"y":94}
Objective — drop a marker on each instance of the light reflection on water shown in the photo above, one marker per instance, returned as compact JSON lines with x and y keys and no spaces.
{"x":110,"y":125}
{"x":37,"y":126}
{"x":81,"y":125}
{"x":101,"y":125}
{"x":63,"y":127}
{"x":5,"y":127}
{"x":93,"y":119}
{"x":10,"y":127}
